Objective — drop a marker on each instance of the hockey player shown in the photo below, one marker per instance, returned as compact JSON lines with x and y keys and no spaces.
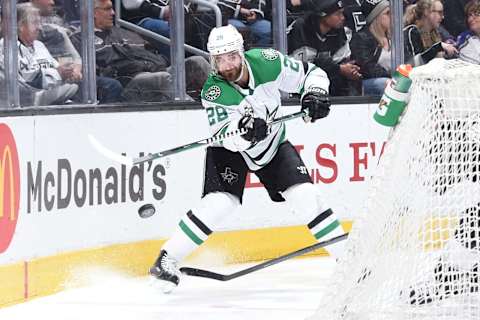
{"x":243,"y":91}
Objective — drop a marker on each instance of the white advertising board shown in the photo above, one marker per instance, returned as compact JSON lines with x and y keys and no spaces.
{"x":71,"y":197}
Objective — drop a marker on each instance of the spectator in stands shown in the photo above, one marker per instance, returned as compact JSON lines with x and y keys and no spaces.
{"x":248,"y":16}
{"x":295,"y":9}
{"x":122,"y":55}
{"x":354,"y":18}
{"x":438,"y":32}
{"x":469,"y":40}
{"x":419,"y":50}
{"x":454,"y":16}
{"x":154,"y":15}
{"x":437,"y":16}
{"x":321,"y":38}
{"x":54,"y":33}
{"x":49,"y":81}
{"x":371,"y":47}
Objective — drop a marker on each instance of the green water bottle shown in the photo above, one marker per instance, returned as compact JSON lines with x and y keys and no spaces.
{"x":395,"y":97}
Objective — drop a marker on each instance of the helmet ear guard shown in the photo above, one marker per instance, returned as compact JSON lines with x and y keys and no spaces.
{"x":223,"y":40}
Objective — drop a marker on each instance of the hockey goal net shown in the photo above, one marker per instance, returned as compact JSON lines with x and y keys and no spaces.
{"x":414,"y":253}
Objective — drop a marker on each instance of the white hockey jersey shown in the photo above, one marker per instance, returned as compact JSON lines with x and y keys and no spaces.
{"x":269,"y":73}
{"x":36,"y":66}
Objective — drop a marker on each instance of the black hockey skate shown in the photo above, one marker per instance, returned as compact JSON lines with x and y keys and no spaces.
{"x":165,"y":273}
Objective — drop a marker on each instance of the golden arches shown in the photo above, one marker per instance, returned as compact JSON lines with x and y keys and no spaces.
{"x":7,"y":155}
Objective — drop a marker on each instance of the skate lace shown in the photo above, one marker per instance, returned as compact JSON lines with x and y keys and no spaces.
{"x":169,"y":265}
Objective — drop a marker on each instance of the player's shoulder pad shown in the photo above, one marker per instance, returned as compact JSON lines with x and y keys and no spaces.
{"x":265,"y":64}
{"x":265,"y":55}
{"x":217,"y":90}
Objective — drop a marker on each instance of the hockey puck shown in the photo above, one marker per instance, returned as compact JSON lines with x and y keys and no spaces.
{"x":146,"y":211}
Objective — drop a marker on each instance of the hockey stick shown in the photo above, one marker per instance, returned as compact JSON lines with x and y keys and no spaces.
{"x":226,"y":277}
{"x":204,"y":142}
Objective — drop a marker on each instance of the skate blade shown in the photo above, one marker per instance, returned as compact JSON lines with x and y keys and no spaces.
{"x":162,"y":286}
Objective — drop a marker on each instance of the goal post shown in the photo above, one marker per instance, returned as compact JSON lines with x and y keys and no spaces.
{"x":414,"y":252}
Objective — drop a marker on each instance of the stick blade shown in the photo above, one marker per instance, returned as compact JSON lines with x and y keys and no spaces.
{"x":109,"y":153}
{"x":203,"y":273}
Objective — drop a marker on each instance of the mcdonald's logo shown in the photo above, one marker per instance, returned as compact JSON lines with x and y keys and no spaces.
{"x":9,"y":186}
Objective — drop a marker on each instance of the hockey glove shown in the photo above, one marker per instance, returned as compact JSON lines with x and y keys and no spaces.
{"x":317,"y":103}
{"x":257,"y":128}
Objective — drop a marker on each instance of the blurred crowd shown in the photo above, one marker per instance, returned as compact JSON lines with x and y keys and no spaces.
{"x":349,"y":39}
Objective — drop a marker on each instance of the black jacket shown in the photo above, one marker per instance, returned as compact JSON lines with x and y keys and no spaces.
{"x":414,"y":51}
{"x":366,"y":52}
{"x":325,"y":51}
{"x":354,"y":18}
{"x":121,"y":54}
{"x":303,"y":33}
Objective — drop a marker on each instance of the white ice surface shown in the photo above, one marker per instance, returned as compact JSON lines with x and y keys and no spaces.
{"x":290,"y":290}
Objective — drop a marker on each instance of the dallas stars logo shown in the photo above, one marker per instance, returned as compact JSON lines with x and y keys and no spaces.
{"x":270,"y":54}
{"x":213,"y":93}
{"x":229,"y":176}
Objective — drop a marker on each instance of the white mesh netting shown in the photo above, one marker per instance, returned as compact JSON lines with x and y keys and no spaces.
{"x":414,"y":253}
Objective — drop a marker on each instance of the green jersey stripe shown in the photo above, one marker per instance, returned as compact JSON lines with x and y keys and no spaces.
{"x":323,"y":224}
{"x":332,"y":226}
{"x":190,"y":233}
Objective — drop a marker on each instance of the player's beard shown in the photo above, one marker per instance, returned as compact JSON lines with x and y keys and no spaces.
{"x":232,"y":74}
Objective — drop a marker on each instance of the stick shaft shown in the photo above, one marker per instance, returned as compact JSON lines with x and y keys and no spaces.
{"x":226,"y":277}
{"x":208,"y":141}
